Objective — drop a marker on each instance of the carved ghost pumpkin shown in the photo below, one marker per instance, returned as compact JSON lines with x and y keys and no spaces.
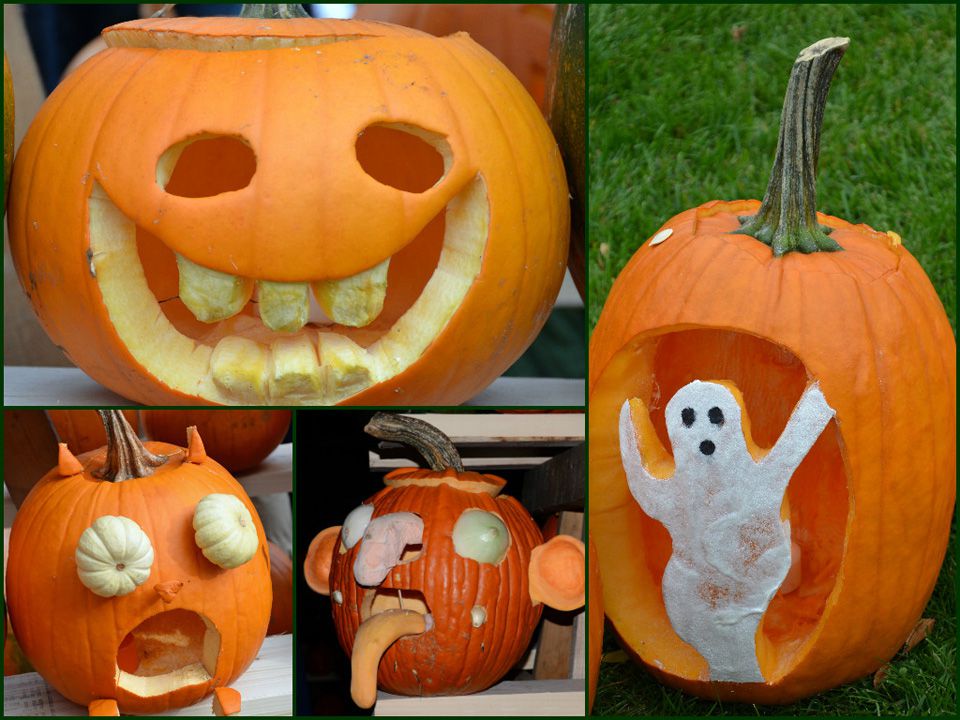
{"x":742,"y":326}
{"x":288,"y":211}
{"x":129,"y":568}
{"x":437,"y":582}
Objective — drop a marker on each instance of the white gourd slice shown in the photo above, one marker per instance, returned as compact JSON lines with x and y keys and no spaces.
{"x":114,"y":556}
{"x":224,"y":530}
{"x":355,"y":525}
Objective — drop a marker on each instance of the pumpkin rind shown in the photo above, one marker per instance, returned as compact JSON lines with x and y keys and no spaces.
{"x":455,"y":657}
{"x":238,"y":439}
{"x":112,"y":116}
{"x":76,"y":652}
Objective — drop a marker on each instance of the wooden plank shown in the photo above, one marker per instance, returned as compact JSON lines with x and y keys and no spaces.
{"x":52,"y":387}
{"x":480,"y":464}
{"x":557,"y":646}
{"x":511,"y":698}
{"x":266,"y":688}
{"x":558,"y":484}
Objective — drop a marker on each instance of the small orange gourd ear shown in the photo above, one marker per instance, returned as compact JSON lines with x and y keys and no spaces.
{"x":316,"y":568}
{"x":558,"y":573}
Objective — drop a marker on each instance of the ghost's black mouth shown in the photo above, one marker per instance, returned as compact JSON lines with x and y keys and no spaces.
{"x":707,"y":447}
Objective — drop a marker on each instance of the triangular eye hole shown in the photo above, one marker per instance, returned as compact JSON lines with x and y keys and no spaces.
{"x":355,"y":526}
{"x":404,"y":157}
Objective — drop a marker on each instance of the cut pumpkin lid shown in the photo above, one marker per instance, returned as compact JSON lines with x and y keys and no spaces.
{"x":223,"y":34}
{"x":467,"y":481}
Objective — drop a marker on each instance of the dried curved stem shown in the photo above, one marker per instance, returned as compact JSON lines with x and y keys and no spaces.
{"x":435,"y":447}
{"x":787,"y":218}
{"x":126,"y":456}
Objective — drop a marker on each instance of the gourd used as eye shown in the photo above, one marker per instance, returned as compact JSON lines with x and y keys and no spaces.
{"x":481,"y":536}
{"x":114,"y":556}
{"x":355,"y":525}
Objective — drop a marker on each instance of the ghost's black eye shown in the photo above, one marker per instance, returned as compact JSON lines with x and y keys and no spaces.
{"x":688,"y":416}
{"x":716,"y":416}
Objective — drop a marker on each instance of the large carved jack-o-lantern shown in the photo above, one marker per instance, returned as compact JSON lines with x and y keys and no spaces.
{"x":138,"y":576}
{"x":437,"y":582}
{"x":772,"y":436}
{"x":284,"y":211}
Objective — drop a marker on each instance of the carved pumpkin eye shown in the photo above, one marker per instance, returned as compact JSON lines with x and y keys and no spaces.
{"x":404,"y":157}
{"x":225,"y":531}
{"x":481,"y":536}
{"x":355,"y":525}
{"x":114,"y":556}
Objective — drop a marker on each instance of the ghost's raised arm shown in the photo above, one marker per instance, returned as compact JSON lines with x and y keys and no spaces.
{"x":806,"y":422}
{"x":654,"y":495}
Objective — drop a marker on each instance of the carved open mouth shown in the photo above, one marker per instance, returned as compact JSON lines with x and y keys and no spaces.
{"x":251,"y":340}
{"x":384,"y":600}
{"x":166,"y":652}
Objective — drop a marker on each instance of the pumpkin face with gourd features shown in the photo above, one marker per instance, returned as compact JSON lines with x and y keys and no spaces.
{"x":437,"y":582}
{"x":745,"y":337}
{"x":290,"y":211}
{"x":138,"y":577}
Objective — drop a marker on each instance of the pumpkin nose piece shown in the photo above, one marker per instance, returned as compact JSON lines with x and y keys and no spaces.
{"x":383,"y":544}
{"x":168,"y":590}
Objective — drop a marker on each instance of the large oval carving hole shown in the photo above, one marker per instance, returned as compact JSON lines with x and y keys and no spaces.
{"x":206,"y":166}
{"x":402,"y":157}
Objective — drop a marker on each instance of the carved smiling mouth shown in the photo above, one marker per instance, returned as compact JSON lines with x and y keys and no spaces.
{"x":238,"y":340}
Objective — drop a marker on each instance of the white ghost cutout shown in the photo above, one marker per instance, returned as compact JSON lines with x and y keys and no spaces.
{"x":731,"y":552}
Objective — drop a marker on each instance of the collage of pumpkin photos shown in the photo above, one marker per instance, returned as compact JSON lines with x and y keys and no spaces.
{"x":453,"y":360}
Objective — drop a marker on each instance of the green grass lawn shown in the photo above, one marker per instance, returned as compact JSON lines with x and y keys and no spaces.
{"x":684,"y":107}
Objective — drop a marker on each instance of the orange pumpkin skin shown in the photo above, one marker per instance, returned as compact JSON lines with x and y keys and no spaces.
{"x":82,"y":430}
{"x":76,"y":651}
{"x":281,"y":580}
{"x":517,"y":33}
{"x":453,"y":658}
{"x":116,"y":122}
{"x":595,"y":624}
{"x":239,"y":439}
{"x":868,"y":326}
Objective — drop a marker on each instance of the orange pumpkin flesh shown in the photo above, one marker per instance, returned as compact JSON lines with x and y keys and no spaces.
{"x":82,"y":430}
{"x":238,"y":439}
{"x":517,"y":33}
{"x":453,"y":657}
{"x":281,"y":581}
{"x":476,"y":258}
{"x":117,"y":648}
{"x":869,"y":507}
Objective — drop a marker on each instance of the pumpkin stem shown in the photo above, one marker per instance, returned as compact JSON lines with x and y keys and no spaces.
{"x":273,"y":11}
{"x":126,"y":456}
{"x":787,"y":218}
{"x":435,"y":447}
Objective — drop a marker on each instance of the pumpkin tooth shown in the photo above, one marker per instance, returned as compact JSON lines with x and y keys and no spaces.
{"x":238,"y":367}
{"x":357,"y":300}
{"x":284,"y":307}
{"x":210,"y":294}
{"x":346,"y":366}
{"x":296,"y":368}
